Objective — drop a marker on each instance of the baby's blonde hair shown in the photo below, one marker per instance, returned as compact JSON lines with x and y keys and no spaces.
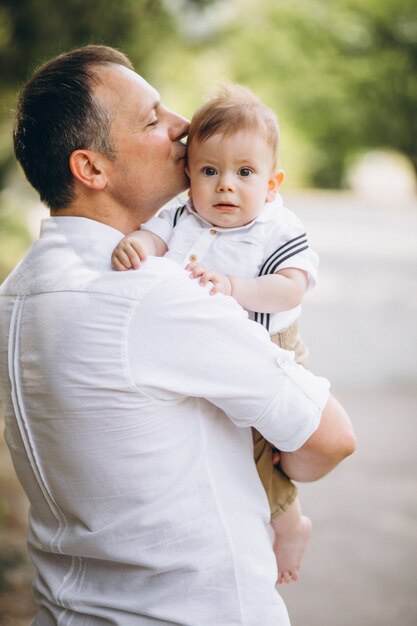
{"x":233,"y":108}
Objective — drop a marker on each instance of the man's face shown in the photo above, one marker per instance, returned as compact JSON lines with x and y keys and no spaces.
{"x":149,"y":166}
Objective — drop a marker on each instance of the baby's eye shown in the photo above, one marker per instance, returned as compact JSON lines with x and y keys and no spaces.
{"x":245,"y":171}
{"x":209,"y":171}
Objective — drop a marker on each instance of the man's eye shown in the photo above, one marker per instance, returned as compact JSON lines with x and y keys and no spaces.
{"x":209,"y":171}
{"x":245,"y":171}
{"x":154,"y":122}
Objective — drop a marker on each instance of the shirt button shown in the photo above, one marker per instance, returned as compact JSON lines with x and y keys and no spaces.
{"x":193,"y":257}
{"x":213,"y":231}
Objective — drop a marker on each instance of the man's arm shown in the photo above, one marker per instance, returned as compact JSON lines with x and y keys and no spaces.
{"x":218,"y":354}
{"x":333,"y":441}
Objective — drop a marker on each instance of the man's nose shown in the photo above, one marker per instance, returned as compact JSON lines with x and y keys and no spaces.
{"x":178,"y":126}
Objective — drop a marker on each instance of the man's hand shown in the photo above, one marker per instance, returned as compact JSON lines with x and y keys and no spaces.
{"x":128,"y":254}
{"x":221,"y":282}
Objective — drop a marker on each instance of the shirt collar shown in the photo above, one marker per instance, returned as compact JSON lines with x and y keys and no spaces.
{"x":92,"y":240}
{"x":268,"y":213}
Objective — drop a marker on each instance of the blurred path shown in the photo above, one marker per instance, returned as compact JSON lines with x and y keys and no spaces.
{"x":361,"y":327}
{"x":361,"y":319}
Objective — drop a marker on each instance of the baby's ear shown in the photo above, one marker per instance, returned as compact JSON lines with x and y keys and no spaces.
{"x":274,"y":183}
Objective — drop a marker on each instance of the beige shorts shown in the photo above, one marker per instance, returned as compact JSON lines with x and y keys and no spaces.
{"x":280,"y":490}
{"x":289,"y":339}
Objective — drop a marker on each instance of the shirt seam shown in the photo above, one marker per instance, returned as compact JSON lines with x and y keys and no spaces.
{"x":221,"y":517}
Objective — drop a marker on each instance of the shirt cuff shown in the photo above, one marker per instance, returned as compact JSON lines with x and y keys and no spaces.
{"x":298,"y":404}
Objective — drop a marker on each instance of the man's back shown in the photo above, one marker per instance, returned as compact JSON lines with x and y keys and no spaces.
{"x":144,"y":496}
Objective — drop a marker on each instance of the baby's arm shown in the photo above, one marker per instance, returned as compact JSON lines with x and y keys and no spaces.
{"x":271,"y":293}
{"x":267,"y":294}
{"x":135,"y":248}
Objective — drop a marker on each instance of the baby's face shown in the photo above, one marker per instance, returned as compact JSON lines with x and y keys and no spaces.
{"x":231,"y":178}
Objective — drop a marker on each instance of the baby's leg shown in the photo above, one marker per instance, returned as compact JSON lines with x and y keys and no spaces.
{"x":292,"y":530}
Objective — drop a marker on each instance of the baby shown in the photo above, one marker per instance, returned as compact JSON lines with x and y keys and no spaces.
{"x":235,"y":233}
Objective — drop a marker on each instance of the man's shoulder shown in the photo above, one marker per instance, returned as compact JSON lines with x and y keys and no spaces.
{"x":134,"y":284}
{"x":36,"y":275}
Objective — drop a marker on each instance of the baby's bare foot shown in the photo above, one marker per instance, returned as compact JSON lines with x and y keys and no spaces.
{"x":289,"y":548}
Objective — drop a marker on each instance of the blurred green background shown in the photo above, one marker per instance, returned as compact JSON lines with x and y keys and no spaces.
{"x":341,"y":75}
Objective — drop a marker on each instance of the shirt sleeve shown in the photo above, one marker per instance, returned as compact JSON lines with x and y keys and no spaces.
{"x":288,"y":246}
{"x":185,"y":343}
{"x":163,"y":224}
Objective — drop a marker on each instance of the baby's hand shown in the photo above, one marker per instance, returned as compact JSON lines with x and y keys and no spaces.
{"x":128,"y":254}
{"x":221,"y":282}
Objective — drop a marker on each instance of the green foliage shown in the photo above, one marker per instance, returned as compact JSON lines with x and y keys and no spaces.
{"x":32,"y":31}
{"x":8,"y":563}
{"x":342,"y":72}
{"x":35,"y":30}
{"x":14,"y":241}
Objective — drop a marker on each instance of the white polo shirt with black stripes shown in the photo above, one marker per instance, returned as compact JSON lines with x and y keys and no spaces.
{"x":275,"y":240}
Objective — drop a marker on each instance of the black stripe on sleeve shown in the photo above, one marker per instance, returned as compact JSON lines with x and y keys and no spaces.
{"x":276,"y":265}
{"x":278,"y":256}
{"x":283,"y":253}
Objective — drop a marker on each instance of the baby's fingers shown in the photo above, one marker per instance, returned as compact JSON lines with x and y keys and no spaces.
{"x":196,"y":269}
{"x":127,"y":254}
{"x":120,"y":260}
{"x":208,"y":277}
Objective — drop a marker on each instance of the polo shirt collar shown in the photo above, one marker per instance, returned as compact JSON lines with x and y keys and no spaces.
{"x":92,"y":240}
{"x":78,"y":227}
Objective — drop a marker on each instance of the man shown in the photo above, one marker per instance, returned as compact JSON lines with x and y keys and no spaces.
{"x":129,"y":396}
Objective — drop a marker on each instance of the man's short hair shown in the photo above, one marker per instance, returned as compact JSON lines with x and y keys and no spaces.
{"x":57,"y":114}
{"x":231,"y":109}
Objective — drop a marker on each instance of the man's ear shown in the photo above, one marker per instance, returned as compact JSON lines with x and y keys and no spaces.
{"x":86,"y":167}
{"x":274,"y":183}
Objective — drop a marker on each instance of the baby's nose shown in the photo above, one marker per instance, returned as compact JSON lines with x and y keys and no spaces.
{"x":225,"y":183}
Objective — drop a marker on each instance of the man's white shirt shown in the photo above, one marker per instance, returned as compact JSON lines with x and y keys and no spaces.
{"x":128,"y":398}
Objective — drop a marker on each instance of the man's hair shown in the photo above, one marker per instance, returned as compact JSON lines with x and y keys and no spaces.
{"x":57,"y":114}
{"x":231,"y":109}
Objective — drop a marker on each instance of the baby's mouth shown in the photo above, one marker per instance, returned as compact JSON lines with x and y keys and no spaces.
{"x":225,"y":206}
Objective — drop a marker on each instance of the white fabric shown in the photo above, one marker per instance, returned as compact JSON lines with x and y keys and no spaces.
{"x":146,"y":507}
{"x":240,"y":251}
